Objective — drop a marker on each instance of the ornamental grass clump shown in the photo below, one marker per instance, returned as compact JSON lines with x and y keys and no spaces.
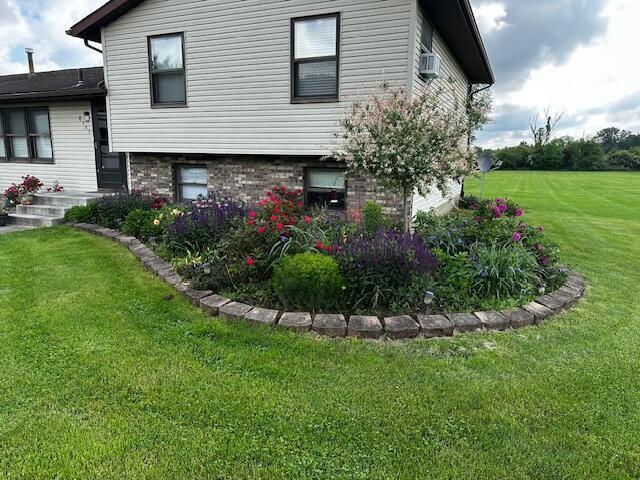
{"x":375,"y":267}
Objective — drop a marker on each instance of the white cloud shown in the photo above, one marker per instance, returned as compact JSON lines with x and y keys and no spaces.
{"x":593,"y":78}
{"x":491,"y":16}
{"x":41,"y":25}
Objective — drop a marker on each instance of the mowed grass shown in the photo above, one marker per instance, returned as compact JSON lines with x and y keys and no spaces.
{"x":103,"y":376}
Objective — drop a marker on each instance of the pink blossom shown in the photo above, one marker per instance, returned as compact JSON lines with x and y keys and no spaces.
{"x":519,"y":212}
{"x":499,"y":200}
{"x":516,"y":237}
{"x":252,"y":214}
{"x":307,"y":219}
{"x":539,"y":247}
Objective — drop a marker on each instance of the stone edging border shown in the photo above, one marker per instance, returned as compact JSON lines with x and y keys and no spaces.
{"x":337,"y":325}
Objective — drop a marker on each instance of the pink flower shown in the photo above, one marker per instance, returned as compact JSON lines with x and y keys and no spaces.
{"x":251,"y":222}
{"x":499,"y":200}
{"x":319,"y":246}
{"x":307,"y":219}
{"x":538,"y":247}
{"x":274,"y":218}
{"x":280,"y":226}
{"x":516,"y":237}
{"x":519,"y":212}
{"x":250,"y":261}
{"x":502,"y":208}
{"x":544,"y":260}
{"x":252,"y":214}
{"x":261,"y":230}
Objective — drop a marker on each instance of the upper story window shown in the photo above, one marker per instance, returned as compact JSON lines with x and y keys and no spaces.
{"x":426,"y":35}
{"x":315,"y":46}
{"x":166,"y":66}
{"x":25,"y":135}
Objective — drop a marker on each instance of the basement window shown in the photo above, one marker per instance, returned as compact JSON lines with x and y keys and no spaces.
{"x":326,"y":187}
{"x":191,"y":182}
{"x":167,"y":71}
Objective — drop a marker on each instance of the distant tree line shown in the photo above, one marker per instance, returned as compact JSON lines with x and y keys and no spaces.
{"x":610,"y":149}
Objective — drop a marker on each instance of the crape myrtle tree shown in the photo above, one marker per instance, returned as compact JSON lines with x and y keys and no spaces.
{"x":411,"y":143}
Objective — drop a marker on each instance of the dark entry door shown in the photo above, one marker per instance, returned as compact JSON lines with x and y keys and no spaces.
{"x":111,"y":167}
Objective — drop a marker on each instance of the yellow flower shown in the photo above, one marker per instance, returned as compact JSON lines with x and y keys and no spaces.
{"x":156,"y":222}
{"x":175,"y":211}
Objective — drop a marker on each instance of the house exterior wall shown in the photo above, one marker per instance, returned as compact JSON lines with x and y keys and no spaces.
{"x":450,"y":70}
{"x":248,"y":177}
{"x":237,"y":57}
{"x":74,"y":164}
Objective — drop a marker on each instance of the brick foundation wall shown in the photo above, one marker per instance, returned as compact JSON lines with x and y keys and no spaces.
{"x":247,"y":178}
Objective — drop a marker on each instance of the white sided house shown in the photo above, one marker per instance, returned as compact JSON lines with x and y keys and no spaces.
{"x":54,"y":125}
{"x":233,"y":97}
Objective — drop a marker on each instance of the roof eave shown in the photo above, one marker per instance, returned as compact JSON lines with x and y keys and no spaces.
{"x":53,"y":95}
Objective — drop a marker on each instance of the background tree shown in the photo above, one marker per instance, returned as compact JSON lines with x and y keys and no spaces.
{"x":411,"y":144}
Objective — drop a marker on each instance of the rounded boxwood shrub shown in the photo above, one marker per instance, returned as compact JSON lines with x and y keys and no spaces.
{"x":308,"y":281}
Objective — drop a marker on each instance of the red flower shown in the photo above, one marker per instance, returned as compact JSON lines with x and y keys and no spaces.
{"x":261,"y":230}
{"x":274,"y":218}
{"x":280,"y":226}
{"x":327,"y":248}
{"x":307,"y":219}
{"x":252,"y":214}
{"x":319,"y":246}
{"x":252,"y":222}
{"x":250,"y":261}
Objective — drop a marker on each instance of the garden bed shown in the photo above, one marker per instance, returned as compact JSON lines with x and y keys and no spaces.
{"x":361,"y":326}
{"x":268,"y":261}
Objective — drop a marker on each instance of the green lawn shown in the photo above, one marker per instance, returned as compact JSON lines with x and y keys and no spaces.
{"x":103,"y":376}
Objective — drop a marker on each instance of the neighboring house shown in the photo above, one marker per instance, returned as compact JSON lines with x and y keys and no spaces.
{"x":54,"y":125}
{"x":234,"y":97}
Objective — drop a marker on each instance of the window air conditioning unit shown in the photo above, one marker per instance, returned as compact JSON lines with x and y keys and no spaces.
{"x":430,"y":65}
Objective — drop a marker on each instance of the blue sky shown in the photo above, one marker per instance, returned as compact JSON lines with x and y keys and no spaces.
{"x":572,"y":55}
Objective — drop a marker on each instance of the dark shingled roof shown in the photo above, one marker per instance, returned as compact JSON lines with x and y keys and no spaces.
{"x":452,"y":18}
{"x":55,"y":85}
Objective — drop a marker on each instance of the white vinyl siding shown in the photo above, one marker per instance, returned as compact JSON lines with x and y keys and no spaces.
{"x":237,"y":59}
{"x":450,"y":68}
{"x":73,"y":152}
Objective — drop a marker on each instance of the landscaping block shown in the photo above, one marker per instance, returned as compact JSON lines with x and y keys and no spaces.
{"x":567,"y":299}
{"x":493,"y":320}
{"x":181,"y":286}
{"x":540,"y":312}
{"x":518,"y":317}
{"x":127,"y":240}
{"x":102,"y":231}
{"x":464,"y":322}
{"x":362,"y":326}
{"x":194,"y":296}
{"x":234,"y":310}
{"x":300,"y":321}
{"x":262,"y":316}
{"x":571,"y":292}
{"x":402,"y":326}
{"x":331,"y":325}
{"x":212,"y":303}
{"x":173,"y":279}
{"x":435,"y":326}
{"x":553,"y":303}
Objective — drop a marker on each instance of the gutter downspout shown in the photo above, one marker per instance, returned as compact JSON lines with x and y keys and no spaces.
{"x":95,"y":49}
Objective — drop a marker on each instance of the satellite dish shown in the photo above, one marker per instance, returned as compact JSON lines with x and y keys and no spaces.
{"x":485,"y":163}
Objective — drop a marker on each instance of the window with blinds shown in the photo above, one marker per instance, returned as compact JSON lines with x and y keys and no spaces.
{"x":25,"y":135}
{"x":315,"y":46}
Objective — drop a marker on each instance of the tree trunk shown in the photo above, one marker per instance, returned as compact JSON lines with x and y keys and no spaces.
{"x":405,"y":209}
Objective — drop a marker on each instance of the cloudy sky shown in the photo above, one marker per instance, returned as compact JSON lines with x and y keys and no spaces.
{"x":571,"y":55}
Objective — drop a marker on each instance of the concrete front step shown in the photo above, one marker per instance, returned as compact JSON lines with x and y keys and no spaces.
{"x":26,"y":220}
{"x":63,"y":199}
{"x":42,"y":210}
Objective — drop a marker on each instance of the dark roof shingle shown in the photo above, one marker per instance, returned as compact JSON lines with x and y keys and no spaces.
{"x":54,"y":84}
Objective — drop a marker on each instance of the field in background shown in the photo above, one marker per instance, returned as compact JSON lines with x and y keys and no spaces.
{"x":105,"y":375}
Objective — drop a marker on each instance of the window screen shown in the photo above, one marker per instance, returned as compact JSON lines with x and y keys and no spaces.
{"x":166,"y":63}
{"x":192,"y":182}
{"x":315,"y":57}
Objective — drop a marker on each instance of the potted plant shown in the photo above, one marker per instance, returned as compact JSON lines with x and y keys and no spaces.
{"x":30,"y":186}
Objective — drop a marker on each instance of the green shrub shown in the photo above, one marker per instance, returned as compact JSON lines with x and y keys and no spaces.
{"x":82,"y":214}
{"x":112,"y":210}
{"x":373,"y":219}
{"x":140,"y":224}
{"x":308,"y":281}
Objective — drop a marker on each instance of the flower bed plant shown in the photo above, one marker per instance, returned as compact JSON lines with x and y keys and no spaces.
{"x":277,"y":254}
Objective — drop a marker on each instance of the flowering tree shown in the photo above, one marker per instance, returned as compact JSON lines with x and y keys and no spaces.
{"x":411,"y":144}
